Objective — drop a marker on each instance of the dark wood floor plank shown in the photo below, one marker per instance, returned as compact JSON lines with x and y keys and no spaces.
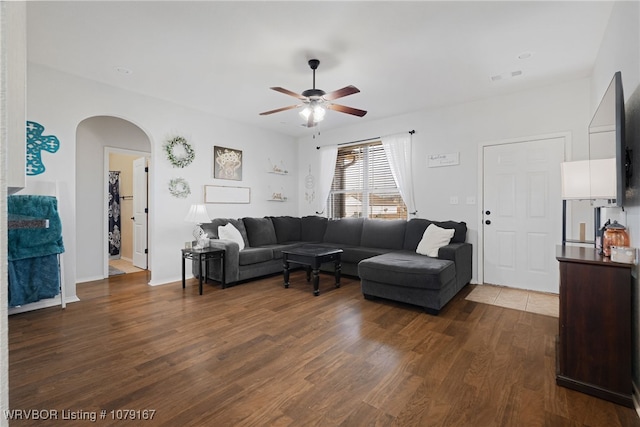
{"x":258,"y":354}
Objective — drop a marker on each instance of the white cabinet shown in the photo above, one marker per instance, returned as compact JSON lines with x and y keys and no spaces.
{"x":13,"y":28}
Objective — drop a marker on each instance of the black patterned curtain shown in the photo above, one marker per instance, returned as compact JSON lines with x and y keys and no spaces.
{"x":114,"y":214}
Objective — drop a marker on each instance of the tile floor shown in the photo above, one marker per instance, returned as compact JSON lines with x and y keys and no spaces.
{"x":518,"y":299}
{"x":124,"y":265}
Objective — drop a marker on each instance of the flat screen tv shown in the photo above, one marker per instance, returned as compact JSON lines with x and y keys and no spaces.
{"x":607,"y":140}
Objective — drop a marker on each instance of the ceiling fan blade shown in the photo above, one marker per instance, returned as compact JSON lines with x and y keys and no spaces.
{"x":288,"y":92}
{"x":277,"y":110}
{"x":347,"y":90}
{"x":348,"y":110}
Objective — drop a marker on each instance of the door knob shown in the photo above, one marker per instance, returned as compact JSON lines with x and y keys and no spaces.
{"x":488,"y":222}
{"x":488,"y":212}
{"x":133,"y":218}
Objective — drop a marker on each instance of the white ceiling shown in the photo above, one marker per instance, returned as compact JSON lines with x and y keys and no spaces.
{"x":222,"y":57}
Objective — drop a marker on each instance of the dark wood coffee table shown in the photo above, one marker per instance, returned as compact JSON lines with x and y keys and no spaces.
{"x":312,"y":256}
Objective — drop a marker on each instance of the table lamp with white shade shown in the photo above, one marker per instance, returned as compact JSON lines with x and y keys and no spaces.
{"x":589,"y":179}
{"x":198,"y":215}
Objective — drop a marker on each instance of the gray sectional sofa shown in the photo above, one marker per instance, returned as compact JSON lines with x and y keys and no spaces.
{"x":381,"y":252}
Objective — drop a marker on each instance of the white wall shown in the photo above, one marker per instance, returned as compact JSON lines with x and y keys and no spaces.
{"x":620,"y":51}
{"x":60,"y":102}
{"x":13,"y":18}
{"x":462,"y":128}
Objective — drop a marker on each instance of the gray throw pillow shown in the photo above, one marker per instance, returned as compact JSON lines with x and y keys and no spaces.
{"x":312,"y":228}
{"x":287,"y":228}
{"x":260,"y":231}
{"x":345,"y":231}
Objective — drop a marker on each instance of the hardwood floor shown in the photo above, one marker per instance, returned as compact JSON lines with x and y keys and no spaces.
{"x":257,"y":354}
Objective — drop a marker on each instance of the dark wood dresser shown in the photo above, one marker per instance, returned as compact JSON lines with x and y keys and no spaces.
{"x":594,"y":344}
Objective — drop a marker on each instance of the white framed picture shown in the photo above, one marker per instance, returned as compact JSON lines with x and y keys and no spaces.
{"x":224,"y":194}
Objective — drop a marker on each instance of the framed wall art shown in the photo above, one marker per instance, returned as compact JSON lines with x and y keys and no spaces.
{"x":439,"y":160}
{"x":227,"y":163}
{"x":222,"y":194}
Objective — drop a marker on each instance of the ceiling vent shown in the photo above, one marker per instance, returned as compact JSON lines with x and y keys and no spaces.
{"x":506,"y":76}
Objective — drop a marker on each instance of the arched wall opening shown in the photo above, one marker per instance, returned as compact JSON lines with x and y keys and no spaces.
{"x":95,"y":138}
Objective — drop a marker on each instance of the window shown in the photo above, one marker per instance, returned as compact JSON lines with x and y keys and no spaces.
{"x":363,"y":185}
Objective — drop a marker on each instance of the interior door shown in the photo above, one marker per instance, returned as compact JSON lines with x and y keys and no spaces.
{"x":522,"y":213}
{"x":140,"y":213}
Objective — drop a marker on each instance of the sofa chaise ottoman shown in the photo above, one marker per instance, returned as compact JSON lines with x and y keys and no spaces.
{"x":405,"y":277}
{"x":410,"y":277}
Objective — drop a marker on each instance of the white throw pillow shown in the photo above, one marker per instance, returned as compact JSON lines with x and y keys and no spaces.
{"x":229,"y":232}
{"x":434,"y":238}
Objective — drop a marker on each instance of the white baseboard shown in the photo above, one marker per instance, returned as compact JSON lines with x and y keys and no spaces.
{"x":167,"y":281}
{"x":45,"y":303}
{"x":89,"y":279}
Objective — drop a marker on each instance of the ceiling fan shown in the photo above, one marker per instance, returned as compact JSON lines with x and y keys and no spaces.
{"x":316,"y":101}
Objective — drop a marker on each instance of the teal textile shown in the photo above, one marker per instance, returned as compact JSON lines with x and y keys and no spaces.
{"x":33,"y":279}
{"x":34,"y":242}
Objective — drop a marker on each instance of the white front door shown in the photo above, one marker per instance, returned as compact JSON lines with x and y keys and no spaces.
{"x":522,"y":213}
{"x":140,"y":212}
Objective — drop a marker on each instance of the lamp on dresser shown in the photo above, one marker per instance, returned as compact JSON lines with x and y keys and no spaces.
{"x":198,"y":215}
{"x":588,"y":180}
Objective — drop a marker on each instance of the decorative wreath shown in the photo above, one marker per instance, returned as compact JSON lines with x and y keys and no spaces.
{"x":179,"y":152}
{"x":178,"y":187}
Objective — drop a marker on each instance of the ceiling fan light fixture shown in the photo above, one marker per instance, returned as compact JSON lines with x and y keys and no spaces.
{"x":317,"y":101}
{"x":316,"y":111}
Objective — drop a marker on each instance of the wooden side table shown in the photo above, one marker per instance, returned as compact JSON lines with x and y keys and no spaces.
{"x":203,"y":256}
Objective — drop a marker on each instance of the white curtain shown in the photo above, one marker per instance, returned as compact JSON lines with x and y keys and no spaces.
{"x":398,"y":151}
{"x":328,"y":157}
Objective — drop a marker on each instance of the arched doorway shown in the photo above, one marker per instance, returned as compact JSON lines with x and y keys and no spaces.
{"x":96,"y":137}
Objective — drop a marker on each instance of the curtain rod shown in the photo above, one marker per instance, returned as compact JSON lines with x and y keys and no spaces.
{"x":411,"y":132}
